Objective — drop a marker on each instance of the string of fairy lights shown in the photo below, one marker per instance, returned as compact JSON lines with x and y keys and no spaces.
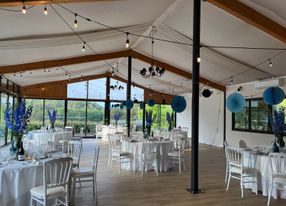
{"x":85,"y":45}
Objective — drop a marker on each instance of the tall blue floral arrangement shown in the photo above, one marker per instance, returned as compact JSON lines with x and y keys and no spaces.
{"x":149,"y":121}
{"x":170,"y":118}
{"x":53,"y":117}
{"x":277,"y":122}
{"x":116,"y":117}
{"x":17,"y":119}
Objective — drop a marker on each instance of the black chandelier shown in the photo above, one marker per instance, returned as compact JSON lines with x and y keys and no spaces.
{"x":116,"y":86}
{"x":152,"y":71}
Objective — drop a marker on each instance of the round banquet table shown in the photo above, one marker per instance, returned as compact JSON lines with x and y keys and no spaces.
{"x":17,"y":178}
{"x":262,"y":165}
{"x":135,"y":149}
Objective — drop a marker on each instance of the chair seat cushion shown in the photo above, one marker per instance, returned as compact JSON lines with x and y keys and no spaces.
{"x":55,"y":191}
{"x":82,"y":171}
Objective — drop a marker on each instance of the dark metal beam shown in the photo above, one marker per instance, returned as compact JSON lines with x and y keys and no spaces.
{"x":195,"y":98}
{"x":128,"y":94}
{"x":107,"y":103}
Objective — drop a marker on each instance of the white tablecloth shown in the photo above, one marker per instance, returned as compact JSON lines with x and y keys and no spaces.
{"x":16,"y":180}
{"x":50,"y":139}
{"x":135,"y":148}
{"x":262,"y":165}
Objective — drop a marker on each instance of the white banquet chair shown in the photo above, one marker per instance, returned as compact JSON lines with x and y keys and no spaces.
{"x":74,"y":151}
{"x":149,"y":155}
{"x":116,"y":153}
{"x":237,"y":169}
{"x":277,"y":173}
{"x":56,"y":174}
{"x":178,"y":156}
{"x":86,"y":174}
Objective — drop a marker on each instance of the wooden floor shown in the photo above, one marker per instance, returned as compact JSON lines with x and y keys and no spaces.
{"x":169,"y":188}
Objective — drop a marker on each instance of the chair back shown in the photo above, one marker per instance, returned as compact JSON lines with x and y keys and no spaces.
{"x":114,"y":141}
{"x":277,"y":163}
{"x":149,"y":147}
{"x":234,"y":155}
{"x":95,"y":158}
{"x":56,"y":172}
{"x":74,"y":150}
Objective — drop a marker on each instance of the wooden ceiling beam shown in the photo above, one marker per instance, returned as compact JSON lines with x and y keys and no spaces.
{"x":252,"y":17}
{"x":62,"y":62}
{"x":11,"y":3}
{"x":100,"y":57}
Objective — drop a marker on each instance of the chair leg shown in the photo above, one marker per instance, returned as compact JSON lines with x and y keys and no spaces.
{"x":256,"y":183}
{"x":93,"y":186}
{"x":241,"y":185}
{"x":184,"y":165}
{"x":226,"y":172}
{"x":269,"y":192}
{"x":143,"y":167}
{"x":180,"y":166}
{"x":73,"y":189}
{"x":228,"y":181}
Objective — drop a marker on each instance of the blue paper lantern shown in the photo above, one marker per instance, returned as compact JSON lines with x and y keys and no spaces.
{"x":235,"y":102}
{"x":178,"y":104}
{"x":129,"y":104}
{"x":273,"y":95}
{"x":151,"y":102}
{"x":142,"y":105}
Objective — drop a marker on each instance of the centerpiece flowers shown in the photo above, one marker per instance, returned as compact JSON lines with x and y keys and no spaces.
{"x":149,"y":121}
{"x":116,"y":117}
{"x":17,"y":120}
{"x":170,"y":118}
{"x":277,"y":121}
{"x":53,"y":117}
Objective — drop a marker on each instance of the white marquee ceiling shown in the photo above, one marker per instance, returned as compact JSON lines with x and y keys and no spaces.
{"x":36,"y":37}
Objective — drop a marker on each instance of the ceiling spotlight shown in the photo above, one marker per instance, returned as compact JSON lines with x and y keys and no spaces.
{"x":24,"y":10}
{"x":127,"y":41}
{"x":75,"y":21}
{"x":45,"y":11}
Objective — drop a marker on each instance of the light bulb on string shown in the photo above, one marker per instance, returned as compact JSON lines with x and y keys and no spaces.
{"x":270,"y":63}
{"x":24,"y":10}
{"x":75,"y":21}
{"x":199,"y":59}
{"x":45,"y":11}
{"x":127,"y":41}
{"x":83,"y":46}
{"x":231,"y":81}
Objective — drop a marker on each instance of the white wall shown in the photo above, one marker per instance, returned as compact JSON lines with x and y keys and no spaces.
{"x":251,"y":139}
{"x":210,"y":118}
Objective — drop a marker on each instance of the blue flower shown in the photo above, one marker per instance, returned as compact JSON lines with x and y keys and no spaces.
{"x":52,"y":115}
{"x":17,"y":119}
{"x":277,"y":123}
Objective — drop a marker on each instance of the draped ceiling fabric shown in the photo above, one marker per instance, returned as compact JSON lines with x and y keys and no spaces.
{"x":34,"y":37}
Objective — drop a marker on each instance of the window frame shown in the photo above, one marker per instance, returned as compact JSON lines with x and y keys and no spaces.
{"x":270,"y":109}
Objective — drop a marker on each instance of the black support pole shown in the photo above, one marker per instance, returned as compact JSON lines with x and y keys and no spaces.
{"x":129,"y":93}
{"x":195,"y":98}
{"x":144,"y":110}
{"x":66,"y":112}
{"x":107,"y":103}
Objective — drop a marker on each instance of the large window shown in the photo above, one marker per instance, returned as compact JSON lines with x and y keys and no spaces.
{"x":137,"y":94}
{"x":59,"y":106}
{"x":159,"y":113}
{"x":95,"y":116}
{"x":253,"y":118}
{"x":116,"y":93}
{"x":114,"y":109}
{"x":136,"y":117}
{"x":76,"y":116}
{"x":97,"y":89}
{"x":2,"y":121}
{"x":77,"y":90}
{"x":36,"y":120}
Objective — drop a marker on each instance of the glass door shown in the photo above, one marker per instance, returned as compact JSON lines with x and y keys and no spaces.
{"x":95,"y":116}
